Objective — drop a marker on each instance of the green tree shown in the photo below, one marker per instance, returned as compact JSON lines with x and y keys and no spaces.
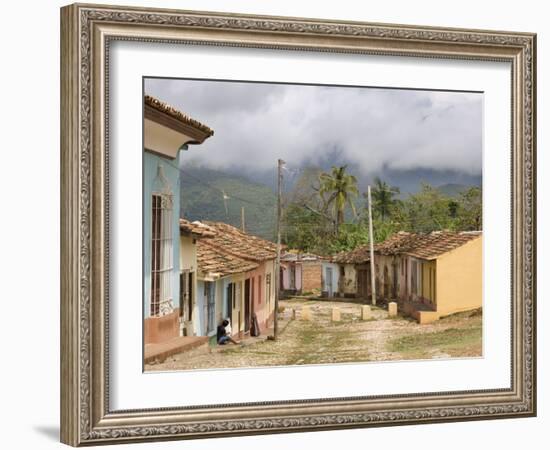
{"x":338,"y":189}
{"x":305,"y":229}
{"x":429,"y":210}
{"x":352,"y":235}
{"x":453,"y":206}
{"x":383,"y":198}
{"x":470,"y":209}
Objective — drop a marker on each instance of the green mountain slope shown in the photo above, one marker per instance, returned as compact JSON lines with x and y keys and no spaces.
{"x":452,"y":190}
{"x":202,"y":198}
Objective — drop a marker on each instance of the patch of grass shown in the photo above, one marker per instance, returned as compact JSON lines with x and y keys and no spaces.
{"x":308,"y":336}
{"x":318,"y":345}
{"x":465,"y":341}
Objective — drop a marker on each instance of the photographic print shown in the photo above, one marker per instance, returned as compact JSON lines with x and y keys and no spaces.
{"x":298,"y":196}
{"x":294,"y":224}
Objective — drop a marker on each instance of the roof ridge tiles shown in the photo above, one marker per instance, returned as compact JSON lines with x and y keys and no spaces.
{"x":164,"y":107}
{"x":422,"y":245}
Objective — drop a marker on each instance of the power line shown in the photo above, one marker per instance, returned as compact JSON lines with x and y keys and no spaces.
{"x":222,"y":191}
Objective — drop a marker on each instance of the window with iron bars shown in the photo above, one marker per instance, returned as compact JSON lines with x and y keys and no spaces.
{"x":162,"y":259}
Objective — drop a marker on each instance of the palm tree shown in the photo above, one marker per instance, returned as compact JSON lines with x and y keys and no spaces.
{"x":341,"y":187}
{"x":383,"y":198}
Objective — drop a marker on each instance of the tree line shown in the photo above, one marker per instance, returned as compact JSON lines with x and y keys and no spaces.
{"x":325,"y":212}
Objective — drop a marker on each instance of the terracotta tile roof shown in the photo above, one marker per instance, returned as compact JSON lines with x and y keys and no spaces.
{"x":397,"y":243}
{"x":230,"y":250}
{"x":358,"y":255}
{"x":435,"y":244}
{"x":361,"y":254}
{"x":424,"y":246}
{"x":176,"y":114}
{"x":299,"y":257}
{"x":218,"y":261}
{"x":241,"y":244}
{"x":196,"y":229}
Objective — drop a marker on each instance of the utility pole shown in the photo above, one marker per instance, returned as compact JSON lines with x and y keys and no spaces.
{"x":280,"y":164}
{"x":242,"y":219}
{"x":225,"y":198}
{"x":371,"y":245}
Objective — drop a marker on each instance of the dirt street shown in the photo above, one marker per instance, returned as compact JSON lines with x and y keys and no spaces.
{"x":321,"y":341}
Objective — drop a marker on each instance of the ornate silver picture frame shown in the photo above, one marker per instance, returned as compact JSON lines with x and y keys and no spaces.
{"x":87,"y":33}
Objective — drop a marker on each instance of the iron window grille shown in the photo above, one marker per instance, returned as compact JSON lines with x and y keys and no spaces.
{"x":162,"y":258}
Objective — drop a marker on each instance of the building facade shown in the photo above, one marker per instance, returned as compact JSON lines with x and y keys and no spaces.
{"x":167,"y":131}
{"x":306,"y":273}
{"x":330,"y":279}
{"x":428,"y":275}
{"x":190,"y":234}
{"x":236,"y":281}
{"x":290,"y":276}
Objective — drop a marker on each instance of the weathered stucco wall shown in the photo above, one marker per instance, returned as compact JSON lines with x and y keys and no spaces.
{"x":349,"y":282}
{"x":188,"y":254}
{"x":286,"y":277}
{"x":384,"y":276}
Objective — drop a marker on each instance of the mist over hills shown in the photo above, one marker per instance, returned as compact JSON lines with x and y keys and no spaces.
{"x":208,"y":194}
{"x":220,"y":195}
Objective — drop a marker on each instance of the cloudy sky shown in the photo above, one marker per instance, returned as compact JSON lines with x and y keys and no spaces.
{"x":371,"y":129}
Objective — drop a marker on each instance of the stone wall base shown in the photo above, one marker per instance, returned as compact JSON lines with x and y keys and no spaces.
{"x":161,"y":329}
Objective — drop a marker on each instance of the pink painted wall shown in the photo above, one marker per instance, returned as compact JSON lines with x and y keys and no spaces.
{"x":263,"y":310}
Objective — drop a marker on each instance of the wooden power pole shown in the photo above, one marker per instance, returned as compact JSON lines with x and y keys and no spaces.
{"x":277,"y":274}
{"x":242,"y":219}
{"x":371,"y":245}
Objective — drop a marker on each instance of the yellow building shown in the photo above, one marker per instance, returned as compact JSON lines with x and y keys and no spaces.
{"x":429,"y":275}
{"x":446,"y":275}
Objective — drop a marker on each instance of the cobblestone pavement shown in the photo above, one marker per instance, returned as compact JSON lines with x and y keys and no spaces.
{"x":321,"y":341}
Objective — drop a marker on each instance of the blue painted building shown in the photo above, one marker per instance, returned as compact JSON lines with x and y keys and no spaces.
{"x":167,"y":132}
{"x":161,"y":199}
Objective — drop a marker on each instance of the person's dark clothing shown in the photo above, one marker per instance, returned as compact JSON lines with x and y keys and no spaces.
{"x":220,"y":332}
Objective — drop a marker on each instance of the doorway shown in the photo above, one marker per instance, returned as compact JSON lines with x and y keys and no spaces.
{"x":328,"y":283}
{"x":230,"y":300}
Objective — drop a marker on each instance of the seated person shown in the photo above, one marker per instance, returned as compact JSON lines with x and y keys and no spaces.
{"x":228,"y":326}
{"x":221,"y":334}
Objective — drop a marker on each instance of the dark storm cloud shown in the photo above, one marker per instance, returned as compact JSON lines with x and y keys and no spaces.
{"x":255,"y":124}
